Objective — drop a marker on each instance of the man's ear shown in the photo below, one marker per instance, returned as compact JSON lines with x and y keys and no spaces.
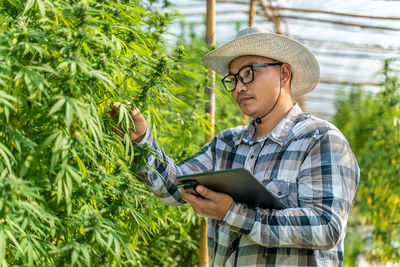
{"x":286,"y":75}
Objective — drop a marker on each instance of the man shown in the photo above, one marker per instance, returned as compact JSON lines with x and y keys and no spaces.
{"x":303,"y":160}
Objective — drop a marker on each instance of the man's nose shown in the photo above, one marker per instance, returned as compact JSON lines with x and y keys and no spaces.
{"x":240,"y":86}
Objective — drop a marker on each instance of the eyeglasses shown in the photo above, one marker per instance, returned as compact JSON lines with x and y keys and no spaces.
{"x":245,"y":75}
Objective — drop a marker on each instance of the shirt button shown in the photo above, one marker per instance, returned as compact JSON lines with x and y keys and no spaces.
{"x":252,"y":156}
{"x":279,"y":193}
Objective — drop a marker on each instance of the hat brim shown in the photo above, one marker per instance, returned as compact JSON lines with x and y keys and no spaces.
{"x":305,"y":68}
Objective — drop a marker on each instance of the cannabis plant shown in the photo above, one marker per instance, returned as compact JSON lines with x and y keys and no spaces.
{"x":372,"y":125}
{"x":68,"y":188}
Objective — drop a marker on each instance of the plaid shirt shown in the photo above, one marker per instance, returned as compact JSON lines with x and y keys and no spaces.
{"x":304,"y":161}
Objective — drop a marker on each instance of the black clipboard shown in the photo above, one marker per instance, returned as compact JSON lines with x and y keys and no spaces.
{"x":240,"y":184}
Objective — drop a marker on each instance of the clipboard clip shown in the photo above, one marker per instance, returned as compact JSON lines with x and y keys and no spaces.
{"x":189,"y":185}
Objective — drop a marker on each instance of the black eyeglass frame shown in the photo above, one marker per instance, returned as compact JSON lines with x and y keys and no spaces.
{"x":236,"y":75}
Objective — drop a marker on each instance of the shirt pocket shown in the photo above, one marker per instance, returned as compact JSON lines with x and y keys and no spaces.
{"x":285,"y":191}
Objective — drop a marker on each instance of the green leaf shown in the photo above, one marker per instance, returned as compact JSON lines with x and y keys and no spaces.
{"x":68,"y":114}
{"x":3,"y":244}
{"x":29,"y":4}
{"x":117,"y":250}
{"x":73,"y":68}
{"x":7,"y":156}
{"x":26,"y":165}
{"x":31,"y":253}
{"x":41,"y":7}
{"x":59,"y":182}
{"x":57,"y":106}
{"x":6,"y":99}
{"x":14,"y":240}
{"x":74,"y":257}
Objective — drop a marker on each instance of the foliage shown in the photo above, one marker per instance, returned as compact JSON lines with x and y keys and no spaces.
{"x":188,"y":112}
{"x":372,"y":125}
{"x":181,"y":134}
{"x":68,"y":188}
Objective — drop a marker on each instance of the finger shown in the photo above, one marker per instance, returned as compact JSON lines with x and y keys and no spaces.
{"x":129,"y":106}
{"x":187,"y":196}
{"x":114,"y":106}
{"x":207,"y":193}
{"x":134,"y":112}
{"x":191,"y":198}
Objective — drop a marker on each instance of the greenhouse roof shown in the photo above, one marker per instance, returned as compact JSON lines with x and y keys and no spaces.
{"x":350,"y":39}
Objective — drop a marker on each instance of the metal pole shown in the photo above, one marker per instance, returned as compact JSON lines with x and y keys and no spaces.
{"x":210,"y":111}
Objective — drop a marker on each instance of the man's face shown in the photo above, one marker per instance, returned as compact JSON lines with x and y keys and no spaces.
{"x":257,"y":97}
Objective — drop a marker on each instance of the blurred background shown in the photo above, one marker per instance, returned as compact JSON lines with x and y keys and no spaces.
{"x":350,"y":39}
{"x":357,"y":44}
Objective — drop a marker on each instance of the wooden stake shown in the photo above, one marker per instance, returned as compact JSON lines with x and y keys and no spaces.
{"x":210,"y":22}
{"x":252,"y":12}
{"x":204,"y":262}
{"x":210,"y":40}
{"x":210,"y":111}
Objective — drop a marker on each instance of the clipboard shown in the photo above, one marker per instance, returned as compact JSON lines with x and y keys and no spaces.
{"x":240,"y":184}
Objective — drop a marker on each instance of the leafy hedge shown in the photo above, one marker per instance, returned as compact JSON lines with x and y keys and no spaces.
{"x":68,"y":192}
{"x":372,"y":125}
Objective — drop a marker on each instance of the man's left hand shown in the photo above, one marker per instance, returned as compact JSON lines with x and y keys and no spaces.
{"x":214,"y":205}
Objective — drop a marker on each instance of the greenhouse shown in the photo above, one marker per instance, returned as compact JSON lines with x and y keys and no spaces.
{"x":107,"y":107}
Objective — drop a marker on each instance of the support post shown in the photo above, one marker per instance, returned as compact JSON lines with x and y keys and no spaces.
{"x":210,"y":111}
{"x":252,"y":12}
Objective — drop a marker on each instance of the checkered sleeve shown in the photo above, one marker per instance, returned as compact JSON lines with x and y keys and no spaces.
{"x":326,"y":186}
{"x":161,"y":171}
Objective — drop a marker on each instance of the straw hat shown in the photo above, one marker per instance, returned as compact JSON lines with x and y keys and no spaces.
{"x":259,"y":42}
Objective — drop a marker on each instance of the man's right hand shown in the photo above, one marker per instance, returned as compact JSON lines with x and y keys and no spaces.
{"x":137,"y":119}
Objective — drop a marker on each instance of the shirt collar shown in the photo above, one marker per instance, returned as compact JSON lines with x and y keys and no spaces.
{"x":278,"y":134}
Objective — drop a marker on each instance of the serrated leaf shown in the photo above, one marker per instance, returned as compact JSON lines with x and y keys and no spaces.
{"x":29,"y":4}
{"x":49,"y":139}
{"x":94,"y":132}
{"x":26,"y":165}
{"x":117,"y":251}
{"x":68,"y":114}
{"x":57,"y":106}
{"x":14,"y":240}
{"x":59,"y":182}
{"x":7,"y":156}
{"x":63,"y":64}
{"x":3,"y":244}
{"x":81,"y":166}
{"x":74,"y":257}
{"x":30,"y":253}
{"x":86,"y":256}
{"x":73,"y":68}
{"x":41,"y":7}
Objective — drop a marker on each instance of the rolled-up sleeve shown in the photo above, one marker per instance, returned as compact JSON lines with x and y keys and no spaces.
{"x":161,"y":172}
